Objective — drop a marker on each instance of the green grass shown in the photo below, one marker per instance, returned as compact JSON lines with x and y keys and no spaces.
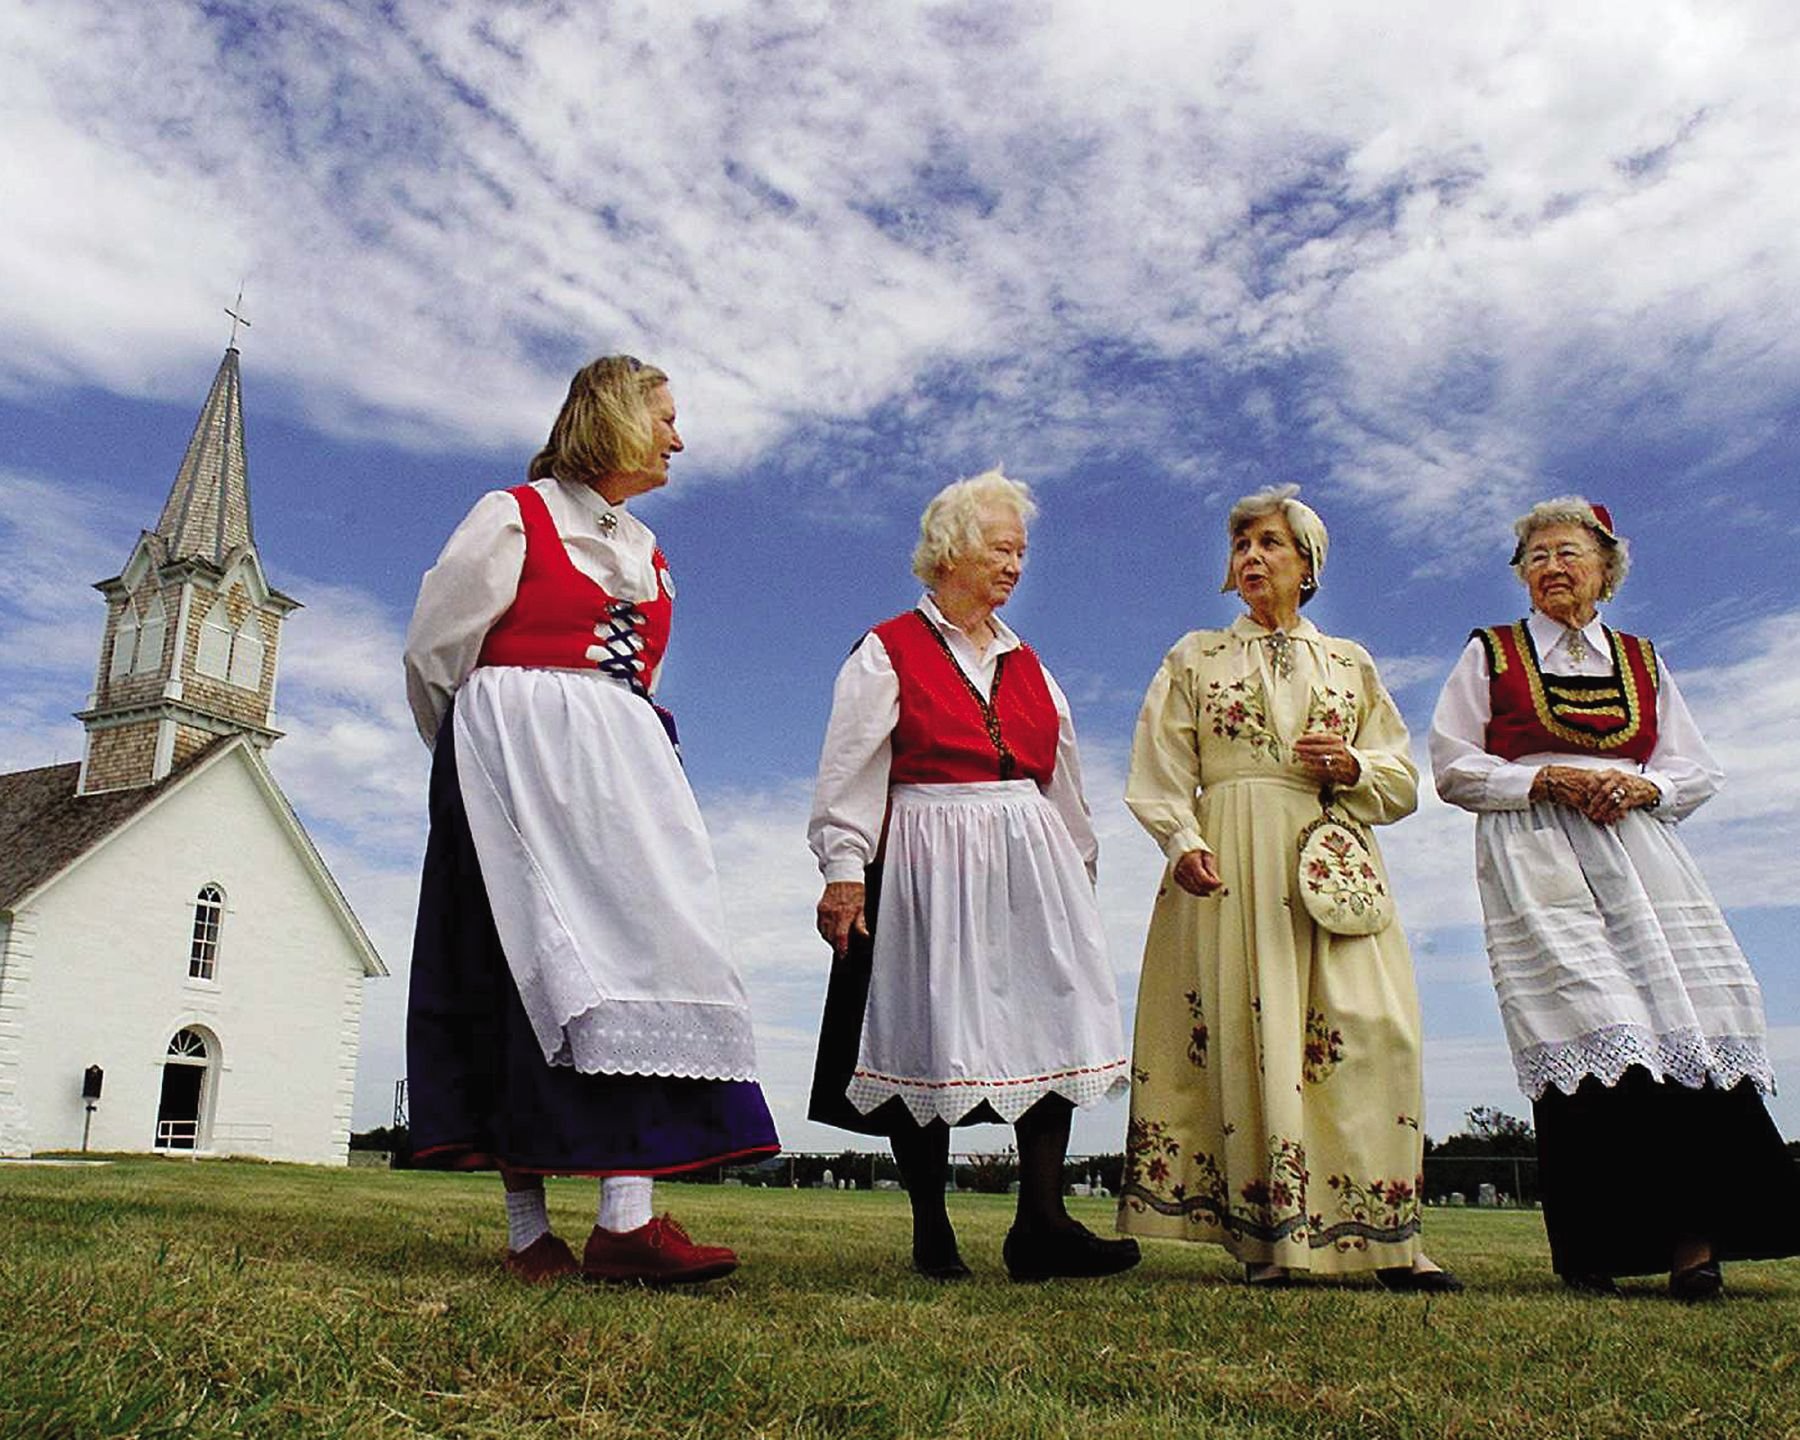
{"x":157,"y":1298}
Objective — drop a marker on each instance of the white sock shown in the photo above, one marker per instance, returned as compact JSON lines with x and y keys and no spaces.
{"x":624,"y":1203}
{"x":527,"y":1221}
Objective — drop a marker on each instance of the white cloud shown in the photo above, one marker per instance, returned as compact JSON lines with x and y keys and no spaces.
{"x":808,"y":213}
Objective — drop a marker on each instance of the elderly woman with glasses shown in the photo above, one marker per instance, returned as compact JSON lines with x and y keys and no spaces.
{"x":1635,"y":1024}
{"x":1275,"y":1097}
{"x":971,"y":983}
{"x":574,"y":1009}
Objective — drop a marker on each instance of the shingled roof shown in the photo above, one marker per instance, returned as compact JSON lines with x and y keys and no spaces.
{"x":45,"y":826}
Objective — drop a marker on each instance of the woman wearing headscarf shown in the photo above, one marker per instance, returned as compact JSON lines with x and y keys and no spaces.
{"x":1275,"y":1098}
{"x":573,"y":1009}
{"x":970,"y":983}
{"x":1635,"y":1024}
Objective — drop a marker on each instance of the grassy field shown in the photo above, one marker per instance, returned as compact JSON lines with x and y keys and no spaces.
{"x":170,"y":1298}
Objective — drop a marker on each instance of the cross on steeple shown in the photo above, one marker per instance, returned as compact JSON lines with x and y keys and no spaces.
{"x":236,"y":319}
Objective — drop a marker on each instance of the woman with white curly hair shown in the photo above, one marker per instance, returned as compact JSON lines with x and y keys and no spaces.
{"x":1275,"y":1097}
{"x":970,"y":983}
{"x":1635,"y":1024}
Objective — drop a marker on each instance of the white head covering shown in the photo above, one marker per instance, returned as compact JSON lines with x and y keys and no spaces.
{"x":1309,"y":530}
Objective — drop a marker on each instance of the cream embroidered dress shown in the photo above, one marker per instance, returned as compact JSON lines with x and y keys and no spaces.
{"x":1275,"y":1099}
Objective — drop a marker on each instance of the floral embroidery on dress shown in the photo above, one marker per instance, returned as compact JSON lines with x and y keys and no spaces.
{"x":1332,"y":710}
{"x":1240,"y":711}
{"x":1324,"y":1047}
{"x":1385,"y":1211}
{"x":1275,"y":1205}
{"x":1148,"y":1150}
{"x":1197,"y":1038}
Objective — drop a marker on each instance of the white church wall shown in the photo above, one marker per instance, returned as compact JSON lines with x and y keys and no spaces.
{"x":110,"y":983}
{"x":15,"y":975}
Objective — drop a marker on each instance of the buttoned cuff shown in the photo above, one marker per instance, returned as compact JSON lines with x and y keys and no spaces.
{"x":1183,"y":840}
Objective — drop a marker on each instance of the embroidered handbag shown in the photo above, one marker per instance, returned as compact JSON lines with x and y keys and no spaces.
{"x":1342,"y":883}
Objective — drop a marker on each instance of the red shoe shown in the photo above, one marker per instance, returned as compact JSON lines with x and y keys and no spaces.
{"x":656,"y":1253}
{"x":545,"y":1260}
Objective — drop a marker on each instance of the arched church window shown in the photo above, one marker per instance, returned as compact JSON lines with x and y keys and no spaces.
{"x":125,"y":639}
{"x":188,"y":1045}
{"x":150,"y":638}
{"x":214,"y":657}
{"x":231,"y":653}
{"x":203,"y":955}
{"x":247,"y":654}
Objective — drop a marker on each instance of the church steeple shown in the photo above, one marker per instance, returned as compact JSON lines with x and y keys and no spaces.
{"x":208,"y":509}
{"x":193,"y":627}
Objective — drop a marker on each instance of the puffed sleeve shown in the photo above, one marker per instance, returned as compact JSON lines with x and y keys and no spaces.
{"x":1165,"y":759}
{"x":473,"y":584}
{"x":850,"y":795}
{"x":1064,"y":792}
{"x":1465,"y":773}
{"x":1387,"y":785}
{"x":1681,"y":766}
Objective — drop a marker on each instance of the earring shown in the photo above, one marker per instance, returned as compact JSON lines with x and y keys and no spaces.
{"x":1308,"y":585}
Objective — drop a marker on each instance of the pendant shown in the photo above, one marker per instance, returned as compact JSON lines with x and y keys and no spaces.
{"x":1281,"y":653}
{"x":1577,"y":647}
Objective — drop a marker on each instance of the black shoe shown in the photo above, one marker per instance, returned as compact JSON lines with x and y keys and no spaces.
{"x":1075,"y":1252}
{"x":1697,"y":1282}
{"x":934,"y":1252}
{"x":1602,"y":1285}
{"x":940,"y":1264}
{"x":1403,"y":1279}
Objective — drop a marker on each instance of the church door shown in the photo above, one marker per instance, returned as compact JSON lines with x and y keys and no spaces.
{"x":183,"y":1092}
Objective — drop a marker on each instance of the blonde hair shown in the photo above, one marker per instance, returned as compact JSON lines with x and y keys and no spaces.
{"x":1574,"y":510}
{"x":950,"y":528}
{"x":604,"y":426}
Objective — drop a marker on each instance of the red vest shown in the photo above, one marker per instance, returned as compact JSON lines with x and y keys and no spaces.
{"x":562,"y":620}
{"x":949,"y":734}
{"x":1534,"y":713}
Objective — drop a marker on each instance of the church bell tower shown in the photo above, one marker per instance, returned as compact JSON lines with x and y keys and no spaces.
{"x":193,"y":627}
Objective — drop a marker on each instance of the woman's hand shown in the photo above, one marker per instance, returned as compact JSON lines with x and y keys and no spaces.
{"x":1325,"y":756}
{"x":1615,"y":792}
{"x":841,"y":914}
{"x":1567,"y":785}
{"x":1197,"y":872}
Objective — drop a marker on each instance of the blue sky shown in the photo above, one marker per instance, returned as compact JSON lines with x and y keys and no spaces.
{"x":1433,"y":266}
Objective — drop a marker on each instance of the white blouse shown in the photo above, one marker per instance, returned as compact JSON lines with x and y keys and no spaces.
{"x":851,"y":795}
{"x":476,"y":579}
{"x":1680,"y":766}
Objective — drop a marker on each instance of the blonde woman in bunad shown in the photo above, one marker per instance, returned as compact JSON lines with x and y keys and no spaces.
{"x":970,"y":983}
{"x":1635,"y":1024}
{"x":1275,"y":1098}
{"x":573,"y":1008}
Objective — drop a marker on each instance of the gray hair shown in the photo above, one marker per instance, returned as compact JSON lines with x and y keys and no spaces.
{"x":1309,"y":530}
{"x":1574,"y":510}
{"x":950,"y":528}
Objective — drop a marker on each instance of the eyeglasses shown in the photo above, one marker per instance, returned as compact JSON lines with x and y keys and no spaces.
{"x":1538,"y":558}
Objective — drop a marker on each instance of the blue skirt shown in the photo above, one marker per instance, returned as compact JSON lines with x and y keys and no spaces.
{"x":480,"y":1095}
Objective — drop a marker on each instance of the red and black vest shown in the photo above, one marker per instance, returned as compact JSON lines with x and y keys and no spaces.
{"x":562,"y":620}
{"x":1533,"y":713}
{"x":951,"y":734}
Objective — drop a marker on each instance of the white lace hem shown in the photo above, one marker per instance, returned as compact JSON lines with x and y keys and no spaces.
{"x":950,"y":1100}
{"x":673,"y":1039}
{"x":1684,"y":1056}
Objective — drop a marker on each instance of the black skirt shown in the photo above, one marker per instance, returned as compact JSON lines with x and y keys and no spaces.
{"x":1630,"y":1171}
{"x":480,"y":1094}
{"x":840,"y":1038}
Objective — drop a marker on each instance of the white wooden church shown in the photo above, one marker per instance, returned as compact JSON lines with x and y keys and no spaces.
{"x":169,"y":936}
